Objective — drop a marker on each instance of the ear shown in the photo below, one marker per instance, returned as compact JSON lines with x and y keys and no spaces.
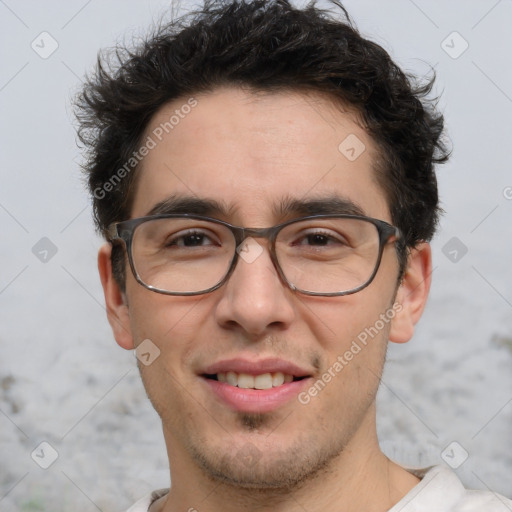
{"x":115,"y":300}
{"x":412,"y":293}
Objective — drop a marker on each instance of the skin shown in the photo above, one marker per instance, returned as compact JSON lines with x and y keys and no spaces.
{"x":250,"y":150}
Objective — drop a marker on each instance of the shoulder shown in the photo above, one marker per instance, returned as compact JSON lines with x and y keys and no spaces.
{"x":143,"y":504}
{"x":483,"y":501}
{"x":440,"y":489}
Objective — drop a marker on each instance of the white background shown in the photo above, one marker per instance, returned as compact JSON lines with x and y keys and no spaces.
{"x":63,"y":379}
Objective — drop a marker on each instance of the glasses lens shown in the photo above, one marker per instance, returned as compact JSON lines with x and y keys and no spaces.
{"x":330,"y":255}
{"x":182,"y":255}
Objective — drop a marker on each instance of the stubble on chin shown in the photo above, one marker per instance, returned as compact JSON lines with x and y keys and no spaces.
{"x":267,"y":471}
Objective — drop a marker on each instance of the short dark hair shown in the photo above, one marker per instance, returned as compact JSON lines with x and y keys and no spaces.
{"x":266,"y":45}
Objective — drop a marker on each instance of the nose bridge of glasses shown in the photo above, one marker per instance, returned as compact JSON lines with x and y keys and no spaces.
{"x":265,"y":236}
{"x":265,"y":233}
{"x":249,"y":251}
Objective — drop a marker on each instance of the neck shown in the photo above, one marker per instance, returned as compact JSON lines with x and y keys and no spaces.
{"x":360,"y":478}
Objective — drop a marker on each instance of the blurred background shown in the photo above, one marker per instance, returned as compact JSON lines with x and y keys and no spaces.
{"x":446,"y":396}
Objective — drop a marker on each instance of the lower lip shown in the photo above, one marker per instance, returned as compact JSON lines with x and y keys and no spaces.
{"x":256,"y":400}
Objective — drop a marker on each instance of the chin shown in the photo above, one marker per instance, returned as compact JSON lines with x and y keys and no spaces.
{"x":250,"y":467}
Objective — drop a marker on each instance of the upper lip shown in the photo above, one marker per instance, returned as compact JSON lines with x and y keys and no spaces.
{"x":252,"y":367}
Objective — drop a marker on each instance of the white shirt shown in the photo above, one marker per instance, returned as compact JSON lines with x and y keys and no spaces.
{"x":440,"y":490}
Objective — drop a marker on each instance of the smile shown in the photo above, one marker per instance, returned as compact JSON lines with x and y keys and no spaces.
{"x":247,"y":381}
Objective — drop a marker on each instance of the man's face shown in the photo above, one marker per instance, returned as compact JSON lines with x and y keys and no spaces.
{"x":250,"y":151}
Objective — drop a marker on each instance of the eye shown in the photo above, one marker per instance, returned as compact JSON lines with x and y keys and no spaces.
{"x":190,"y":238}
{"x":320,"y":238}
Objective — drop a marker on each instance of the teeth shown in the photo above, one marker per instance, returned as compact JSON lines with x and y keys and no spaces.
{"x":232,"y":378}
{"x":263,"y":381}
{"x":277,"y":379}
{"x":246,"y":381}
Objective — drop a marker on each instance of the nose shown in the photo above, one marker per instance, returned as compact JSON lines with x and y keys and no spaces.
{"x":255,"y":299}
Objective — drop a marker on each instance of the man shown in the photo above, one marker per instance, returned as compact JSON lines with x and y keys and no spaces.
{"x":264,"y":177}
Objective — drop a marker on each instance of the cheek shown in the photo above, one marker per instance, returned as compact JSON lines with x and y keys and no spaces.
{"x":179,"y":328}
{"x":348,"y":382}
{"x":163,"y":319}
{"x":335,"y":323}
{"x":172,"y":324}
{"x":354,"y":336}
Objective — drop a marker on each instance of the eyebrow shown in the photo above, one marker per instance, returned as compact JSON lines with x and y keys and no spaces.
{"x":287,"y":207}
{"x":328,"y":205}
{"x":189,"y":204}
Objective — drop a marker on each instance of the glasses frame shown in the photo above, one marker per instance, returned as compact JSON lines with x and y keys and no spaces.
{"x":122,"y":232}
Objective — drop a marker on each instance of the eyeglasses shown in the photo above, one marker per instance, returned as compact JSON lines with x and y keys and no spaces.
{"x":185,"y":254}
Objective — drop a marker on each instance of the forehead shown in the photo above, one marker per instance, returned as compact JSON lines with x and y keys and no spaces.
{"x":254,"y":152}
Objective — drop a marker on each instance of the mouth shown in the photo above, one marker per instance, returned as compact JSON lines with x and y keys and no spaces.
{"x":248,"y":381}
{"x":255,"y":386}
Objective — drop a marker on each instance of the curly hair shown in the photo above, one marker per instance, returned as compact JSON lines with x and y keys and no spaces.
{"x":266,"y":45}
